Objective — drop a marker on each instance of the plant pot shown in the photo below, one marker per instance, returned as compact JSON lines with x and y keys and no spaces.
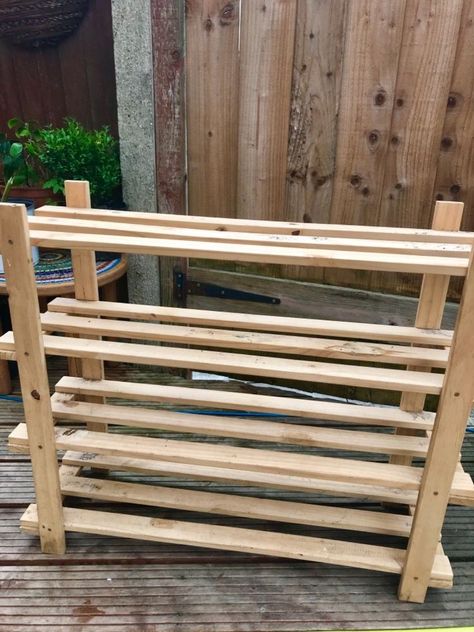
{"x":30,"y":209}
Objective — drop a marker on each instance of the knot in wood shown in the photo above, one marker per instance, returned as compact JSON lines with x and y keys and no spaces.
{"x":380,"y":98}
{"x":355,"y":181}
{"x":35,"y":395}
{"x":228,"y":14}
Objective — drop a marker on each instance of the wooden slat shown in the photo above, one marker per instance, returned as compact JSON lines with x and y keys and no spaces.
{"x":462,"y":491}
{"x":85,"y":288}
{"x":233,"y":477}
{"x":287,"y":325}
{"x":233,"y":505}
{"x":24,"y":310}
{"x":334,"y":411}
{"x":191,"y":452}
{"x":292,"y":241}
{"x":283,"y":433}
{"x":267,"y":35}
{"x":294,"y":345}
{"x":212,"y":103}
{"x":237,"y":539}
{"x":242,"y":364}
{"x":261,"y":226}
{"x":257,"y":254}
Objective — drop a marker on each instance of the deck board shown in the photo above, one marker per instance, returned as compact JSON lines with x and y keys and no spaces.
{"x":123,"y":585}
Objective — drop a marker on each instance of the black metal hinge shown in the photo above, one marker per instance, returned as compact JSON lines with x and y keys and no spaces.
{"x":183,"y":287}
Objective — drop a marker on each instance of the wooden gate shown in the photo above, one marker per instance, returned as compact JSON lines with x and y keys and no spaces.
{"x":343,"y":111}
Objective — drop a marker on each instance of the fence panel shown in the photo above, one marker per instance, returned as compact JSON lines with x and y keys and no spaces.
{"x":378,"y":124}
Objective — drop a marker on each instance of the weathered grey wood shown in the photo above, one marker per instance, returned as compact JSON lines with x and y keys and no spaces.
{"x":167,"y":35}
{"x":310,"y":300}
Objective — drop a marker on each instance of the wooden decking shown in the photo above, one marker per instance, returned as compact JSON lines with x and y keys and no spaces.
{"x":121,"y":585}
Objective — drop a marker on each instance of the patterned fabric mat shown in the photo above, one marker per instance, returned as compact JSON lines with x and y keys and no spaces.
{"x":55,"y":266}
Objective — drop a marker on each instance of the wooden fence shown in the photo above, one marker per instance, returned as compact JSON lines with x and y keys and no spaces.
{"x":75,"y":78}
{"x":344,"y":111}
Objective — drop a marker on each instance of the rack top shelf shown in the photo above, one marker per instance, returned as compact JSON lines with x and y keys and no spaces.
{"x":326,"y":245}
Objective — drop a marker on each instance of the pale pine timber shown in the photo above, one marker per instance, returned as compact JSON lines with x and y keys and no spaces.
{"x":86,"y":288}
{"x":261,"y":226}
{"x":461,"y":492}
{"x":257,"y":322}
{"x":24,"y":310}
{"x":329,"y":243}
{"x":279,"y":462}
{"x":233,"y":505}
{"x":380,"y":558}
{"x":315,"y":409}
{"x":431,"y":304}
{"x":388,"y":262}
{"x":255,"y":430}
{"x":266,"y":366}
{"x":443,"y":457}
{"x":251,"y":341}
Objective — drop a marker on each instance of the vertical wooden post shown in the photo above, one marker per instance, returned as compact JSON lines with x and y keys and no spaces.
{"x":86,"y":287}
{"x":167,"y":24}
{"x":446,"y":442}
{"x":434,"y":290}
{"x":24,"y":310}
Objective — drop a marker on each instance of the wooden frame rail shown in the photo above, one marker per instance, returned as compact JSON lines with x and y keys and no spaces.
{"x":382,"y":442}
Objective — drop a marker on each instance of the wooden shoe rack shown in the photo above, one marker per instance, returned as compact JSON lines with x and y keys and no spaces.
{"x":376,"y":356}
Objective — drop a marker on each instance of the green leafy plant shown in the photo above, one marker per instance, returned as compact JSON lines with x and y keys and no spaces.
{"x":16,"y":165}
{"x":71,"y":152}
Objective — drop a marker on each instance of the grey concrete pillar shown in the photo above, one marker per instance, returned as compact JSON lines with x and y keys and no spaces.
{"x":134,"y":76}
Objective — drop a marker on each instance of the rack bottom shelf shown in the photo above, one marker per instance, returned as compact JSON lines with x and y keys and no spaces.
{"x":378,"y":558}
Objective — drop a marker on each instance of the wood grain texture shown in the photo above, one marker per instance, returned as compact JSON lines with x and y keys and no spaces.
{"x":432,"y":301}
{"x":266,"y":60}
{"x":167,"y":23}
{"x":422,"y":89}
{"x":317,"y":69}
{"x":373,"y":557}
{"x":456,"y":158}
{"x":443,"y":456}
{"x":85,"y":288}
{"x":212,"y":106}
{"x":24,"y":310}
{"x":372,"y":47}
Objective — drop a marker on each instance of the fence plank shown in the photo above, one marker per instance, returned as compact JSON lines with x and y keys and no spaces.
{"x":372,"y":48}
{"x":316,"y":87}
{"x":426,"y":64}
{"x":425,"y":68}
{"x":267,"y":44}
{"x":456,"y":160}
{"x":212,"y":84}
